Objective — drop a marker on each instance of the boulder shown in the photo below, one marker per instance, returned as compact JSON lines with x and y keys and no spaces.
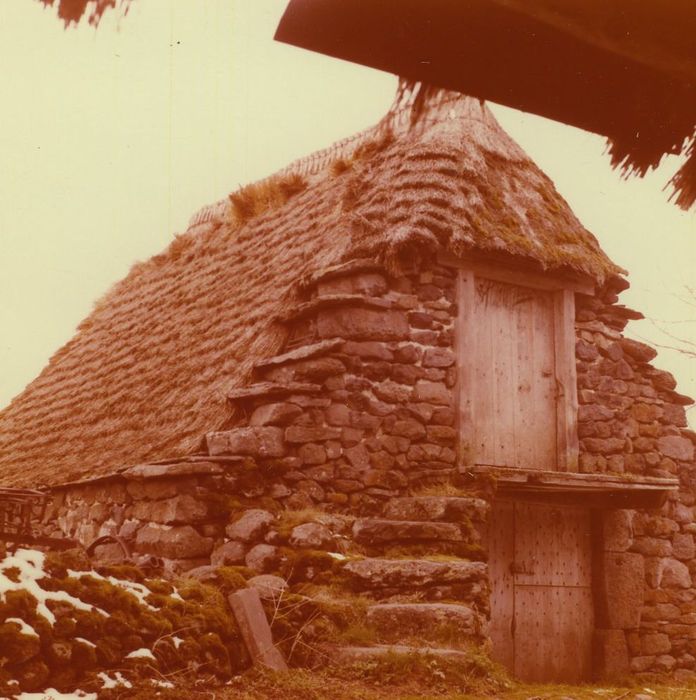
{"x":675,"y":574}
{"x":269,"y":587}
{"x":179,"y":542}
{"x":228,"y":554}
{"x":251,"y":526}
{"x":262,"y":558}
{"x":311,"y":536}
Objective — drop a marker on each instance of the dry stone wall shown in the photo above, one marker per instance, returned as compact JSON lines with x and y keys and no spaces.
{"x":632,"y":421}
{"x":335,"y":442}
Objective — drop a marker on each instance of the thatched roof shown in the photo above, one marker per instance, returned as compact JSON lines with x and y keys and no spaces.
{"x":147,"y":373}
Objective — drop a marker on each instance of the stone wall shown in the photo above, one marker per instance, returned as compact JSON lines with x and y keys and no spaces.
{"x":343,"y":445}
{"x":633,"y":422}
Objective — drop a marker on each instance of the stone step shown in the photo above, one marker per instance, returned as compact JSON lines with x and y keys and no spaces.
{"x":331,"y":301}
{"x":445,"y":508}
{"x":354,"y":654}
{"x":264,"y":390}
{"x":305,"y":352}
{"x":376,"y":573}
{"x":379,"y":531}
{"x":425,"y":620}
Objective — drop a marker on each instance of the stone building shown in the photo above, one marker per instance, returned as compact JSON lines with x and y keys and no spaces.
{"x":402,"y":357}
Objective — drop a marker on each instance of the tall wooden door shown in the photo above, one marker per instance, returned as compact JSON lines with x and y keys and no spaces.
{"x":514,"y":384}
{"x":542,"y":616}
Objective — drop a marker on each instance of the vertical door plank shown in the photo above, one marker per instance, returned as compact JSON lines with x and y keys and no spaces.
{"x":467,"y":356}
{"x":544,"y":384}
{"x":504,"y":352}
{"x":567,"y":401}
{"x":500,"y":557}
{"x":523,"y":385}
{"x":484,"y":377}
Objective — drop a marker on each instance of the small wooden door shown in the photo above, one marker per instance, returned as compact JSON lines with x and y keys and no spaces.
{"x":542,"y":616}
{"x":514,"y":385}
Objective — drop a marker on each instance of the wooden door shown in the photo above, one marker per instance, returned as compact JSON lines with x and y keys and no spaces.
{"x":514,"y":383}
{"x":541,"y":603}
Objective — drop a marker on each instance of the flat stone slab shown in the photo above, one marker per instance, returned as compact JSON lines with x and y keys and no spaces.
{"x":154,"y":471}
{"x":262,"y":389}
{"x":255,"y":630}
{"x":449,"y":508}
{"x":382,"y":573}
{"x":302,"y":353}
{"x":382,"y":531}
{"x":349,"y":655}
{"x":424,"y":619}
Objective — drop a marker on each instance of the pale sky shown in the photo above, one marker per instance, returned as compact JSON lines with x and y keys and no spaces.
{"x":112,"y":138}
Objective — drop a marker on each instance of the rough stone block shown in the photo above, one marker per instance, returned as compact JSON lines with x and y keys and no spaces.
{"x":228,"y":554}
{"x":262,"y":558}
{"x":617,"y":530}
{"x":674,"y":574}
{"x":180,"y":542}
{"x":362,"y":324}
{"x":309,"y":433}
{"x":255,"y":630}
{"x":252,"y":441}
{"x":152,"y":471}
{"x":275,"y":414}
{"x":379,"y":531}
{"x":380,"y":573}
{"x":620,"y":590}
{"x":311,"y":536}
{"x":676,"y":447}
{"x":610,"y":651}
{"x":251,"y":526}
{"x":655,"y":643}
{"x":432,"y":392}
{"x":425,"y":620}
{"x":180,"y":509}
{"x":452,"y":508}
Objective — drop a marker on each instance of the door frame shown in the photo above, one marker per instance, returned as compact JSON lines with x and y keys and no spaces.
{"x":563,"y":291}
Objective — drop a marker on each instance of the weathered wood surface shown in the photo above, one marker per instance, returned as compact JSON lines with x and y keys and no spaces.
{"x":514,"y":384}
{"x":542,"y":616}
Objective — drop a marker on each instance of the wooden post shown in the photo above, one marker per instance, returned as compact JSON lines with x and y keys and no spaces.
{"x":255,"y":630}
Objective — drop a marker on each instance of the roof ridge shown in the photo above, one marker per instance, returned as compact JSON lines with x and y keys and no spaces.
{"x":398,"y":120}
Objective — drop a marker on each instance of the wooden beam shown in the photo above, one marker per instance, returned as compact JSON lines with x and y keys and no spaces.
{"x":464,"y":342}
{"x":566,"y":381}
{"x":516,"y":272}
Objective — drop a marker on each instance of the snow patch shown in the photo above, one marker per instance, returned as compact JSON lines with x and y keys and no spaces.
{"x":115,"y":682}
{"x":53,"y":694}
{"x":24,"y":628}
{"x":141,"y":653}
{"x":30,"y":563}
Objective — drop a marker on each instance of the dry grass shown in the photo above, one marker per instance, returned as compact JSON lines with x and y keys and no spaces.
{"x":257,"y":198}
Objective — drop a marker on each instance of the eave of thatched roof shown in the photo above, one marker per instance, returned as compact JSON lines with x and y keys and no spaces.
{"x":623,"y":70}
{"x":148,"y":371}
